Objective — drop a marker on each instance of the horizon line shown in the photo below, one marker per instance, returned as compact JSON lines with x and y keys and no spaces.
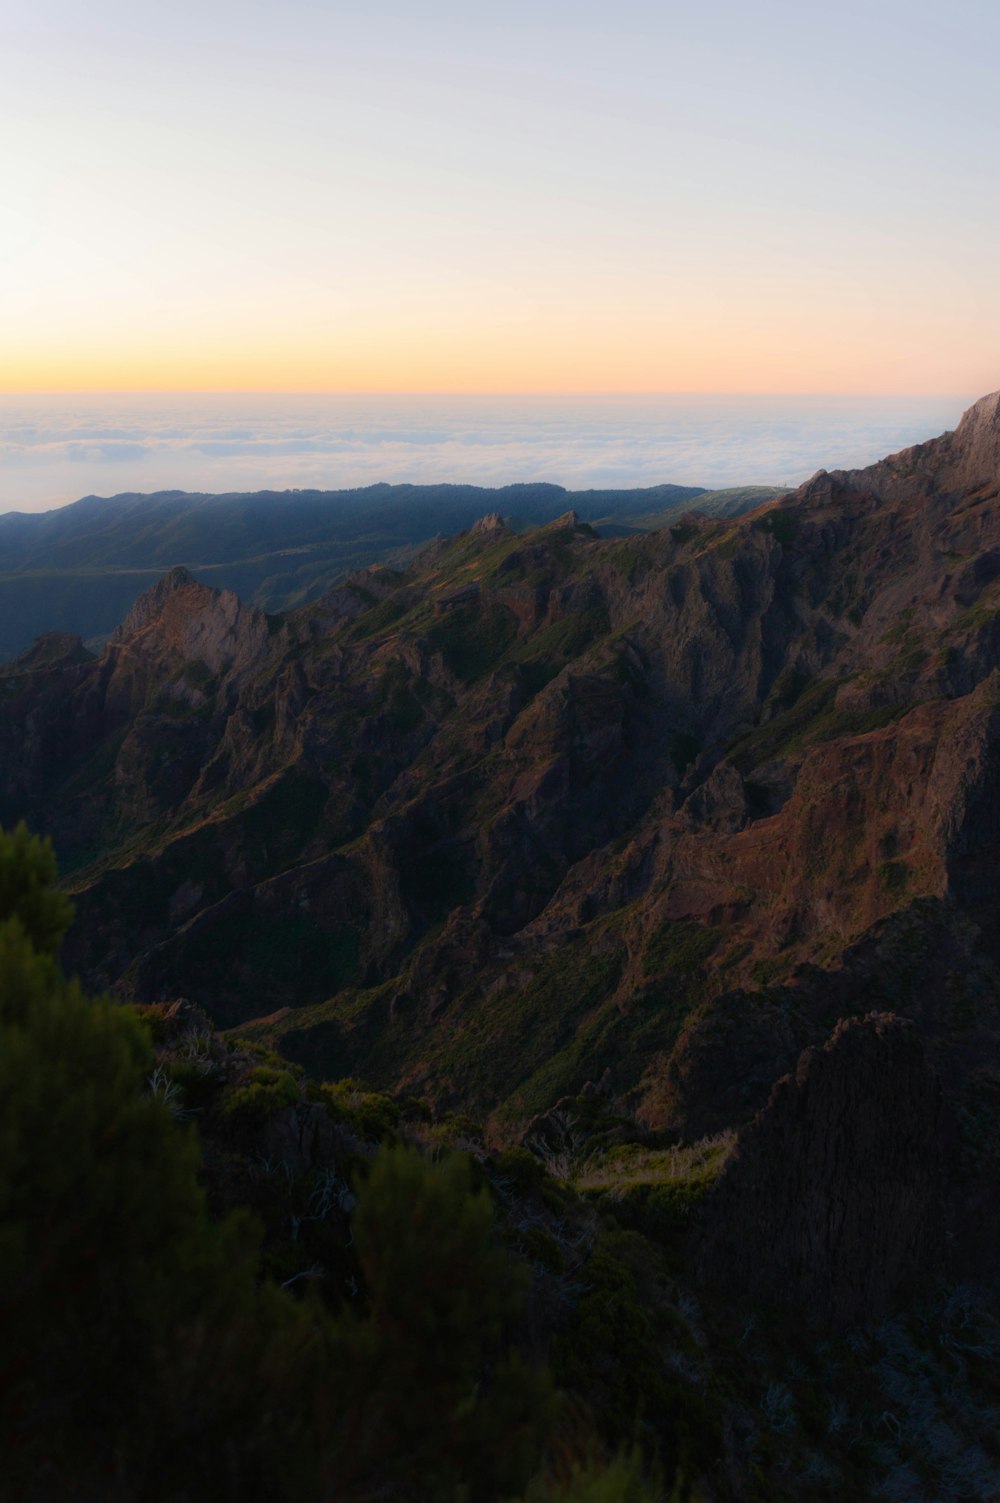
{"x":452,"y":394}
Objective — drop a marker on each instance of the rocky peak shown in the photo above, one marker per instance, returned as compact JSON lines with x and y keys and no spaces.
{"x":150,"y":605}
{"x":54,"y":649}
{"x":180,"y":618}
{"x":975,"y":443}
{"x":956,"y":463}
{"x":492,"y":524}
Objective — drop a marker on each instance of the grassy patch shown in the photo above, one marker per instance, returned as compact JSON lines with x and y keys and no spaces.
{"x":472,"y":638}
{"x":730,"y":545}
{"x":811,"y":719}
{"x":901,"y":629}
{"x":679,"y":947}
{"x":564,"y":640}
{"x":497,"y":1050}
{"x":694,"y":1164}
{"x":381,"y":616}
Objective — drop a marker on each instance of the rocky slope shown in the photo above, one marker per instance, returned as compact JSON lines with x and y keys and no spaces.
{"x":548,"y":804}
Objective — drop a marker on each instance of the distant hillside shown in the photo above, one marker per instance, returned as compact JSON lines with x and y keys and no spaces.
{"x":79,"y":568}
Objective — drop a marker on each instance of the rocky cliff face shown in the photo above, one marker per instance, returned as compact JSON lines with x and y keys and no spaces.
{"x":835,"y":1195}
{"x":546,"y":805}
{"x":124,"y":738}
{"x":180,"y":621}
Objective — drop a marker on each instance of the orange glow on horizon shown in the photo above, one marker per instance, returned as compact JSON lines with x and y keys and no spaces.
{"x":611,"y":372}
{"x":579,"y":334}
{"x":568,"y":342}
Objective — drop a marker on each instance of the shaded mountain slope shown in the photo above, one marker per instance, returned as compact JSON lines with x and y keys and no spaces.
{"x":543,"y":804}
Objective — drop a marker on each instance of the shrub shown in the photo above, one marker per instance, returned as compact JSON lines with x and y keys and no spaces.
{"x":430,"y":1405}
{"x":525,"y":1172}
{"x":27,"y":893}
{"x":133,"y":1335}
{"x":371,"y":1114}
{"x":263,"y":1096}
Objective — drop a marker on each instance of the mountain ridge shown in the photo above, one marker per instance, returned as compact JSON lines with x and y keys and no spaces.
{"x":546,"y":807}
{"x":80,"y":567}
{"x":695,"y":621}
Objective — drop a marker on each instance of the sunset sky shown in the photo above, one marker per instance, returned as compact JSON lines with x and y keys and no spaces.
{"x":646,"y":196}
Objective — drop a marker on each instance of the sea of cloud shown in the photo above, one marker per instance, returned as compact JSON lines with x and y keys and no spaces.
{"x":56,"y":449}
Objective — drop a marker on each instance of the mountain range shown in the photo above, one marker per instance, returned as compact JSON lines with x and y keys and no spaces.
{"x":670,"y":842}
{"x":80,"y":568}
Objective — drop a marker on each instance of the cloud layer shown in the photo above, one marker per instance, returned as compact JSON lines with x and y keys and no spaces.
{"x":56,"y":449}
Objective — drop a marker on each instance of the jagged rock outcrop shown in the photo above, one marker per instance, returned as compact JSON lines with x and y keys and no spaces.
{"x":491,"y":525}
{"x":963,"y":463}
{"x":834,"y":1196}
{"x":176,"y":623}
{"x":55,"y":649}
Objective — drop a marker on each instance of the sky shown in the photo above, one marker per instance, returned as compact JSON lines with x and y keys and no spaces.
{"x":743,"y":196}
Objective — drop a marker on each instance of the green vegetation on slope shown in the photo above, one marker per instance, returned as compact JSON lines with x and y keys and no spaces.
{"x":320,"y":1290}
{"x":142,"y":1352}
{"x":810,"y":717}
